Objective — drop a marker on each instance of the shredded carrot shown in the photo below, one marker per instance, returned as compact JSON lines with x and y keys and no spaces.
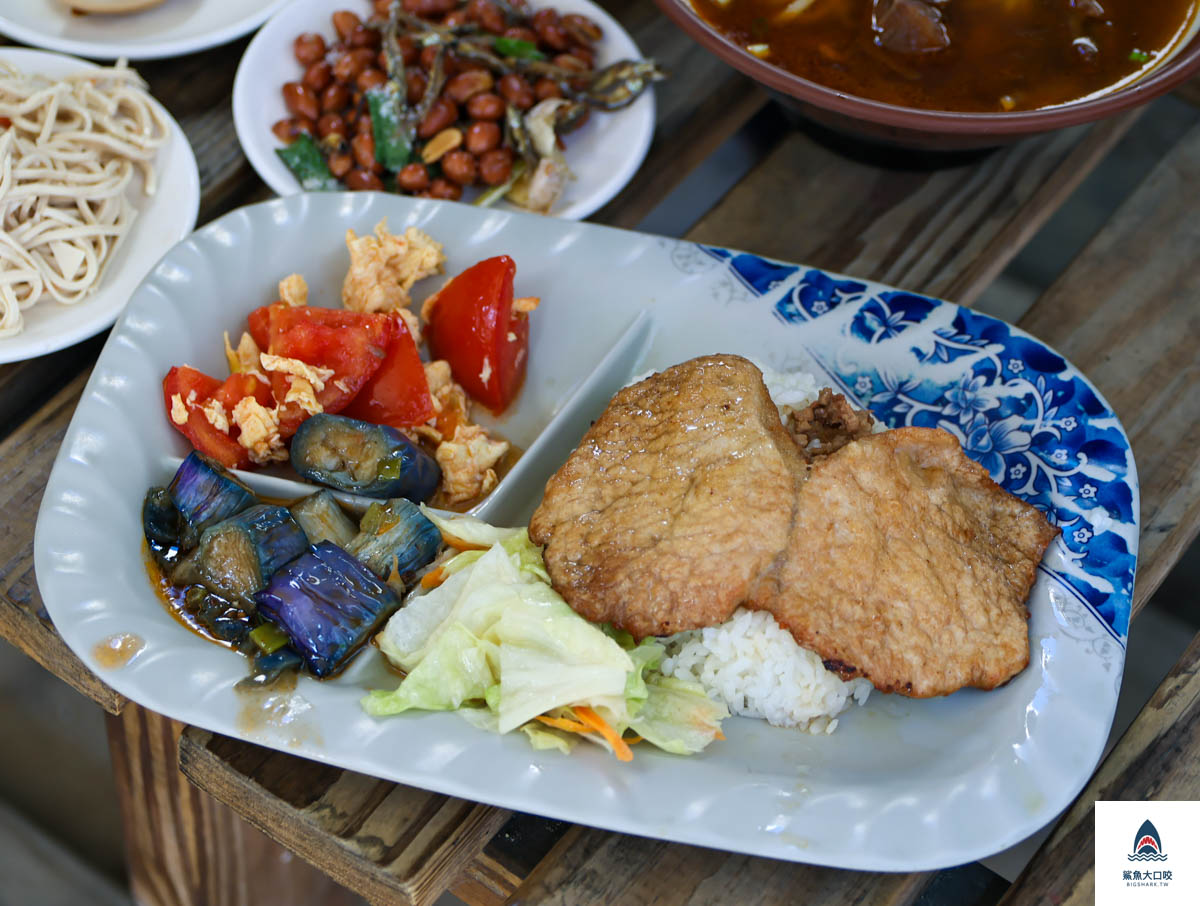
{"x":434,"y":578}
{"x":600,"y":725}
{"x":562,"y":723}
{"x":719,"y":735}
{"x":458,"y":544}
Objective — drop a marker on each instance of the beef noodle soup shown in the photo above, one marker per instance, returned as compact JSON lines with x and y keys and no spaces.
{"x":966,"y":55}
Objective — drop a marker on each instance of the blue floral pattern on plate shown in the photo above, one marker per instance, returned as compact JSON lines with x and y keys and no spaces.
{"x":1017,"y":407}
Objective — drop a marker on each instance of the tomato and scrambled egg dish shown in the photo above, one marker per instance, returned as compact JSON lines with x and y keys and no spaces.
{"x":363,"y":360}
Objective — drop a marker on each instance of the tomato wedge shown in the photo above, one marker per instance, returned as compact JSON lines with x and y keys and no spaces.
{"x":398,"y":393}
{"x":258,"y":325}
{"x":351,"y":343}
{"x":473,"y":327}
{"x":195,"y":388}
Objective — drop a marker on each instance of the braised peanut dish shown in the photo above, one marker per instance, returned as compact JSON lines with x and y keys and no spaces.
{"x":434,"y":97}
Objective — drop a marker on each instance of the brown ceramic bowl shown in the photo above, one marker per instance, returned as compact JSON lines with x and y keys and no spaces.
{"x":937,"y":130}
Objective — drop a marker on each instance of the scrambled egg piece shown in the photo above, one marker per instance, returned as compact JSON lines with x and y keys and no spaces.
{"x":179,"y":412}
{"x":384,"y":267}
{"x":293,"y":291}
{"x":259,"y":431}
{"x":449,"y":401}
{"x":244,"y":359}
{"x":468,"y":463}
{"x":215,"y":413}
{"x":412,"y":322}
{"x":304,"y":381}
{"x":313,"y":374}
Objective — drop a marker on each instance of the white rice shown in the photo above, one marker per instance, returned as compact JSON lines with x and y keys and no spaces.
{"x":756,"y":668}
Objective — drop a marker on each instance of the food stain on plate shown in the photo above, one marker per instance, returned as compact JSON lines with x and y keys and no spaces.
{"x":276,"y":710}
{"x":117,"y":650}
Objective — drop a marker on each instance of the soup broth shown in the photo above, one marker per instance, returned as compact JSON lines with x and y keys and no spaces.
{"x":963,"y":55}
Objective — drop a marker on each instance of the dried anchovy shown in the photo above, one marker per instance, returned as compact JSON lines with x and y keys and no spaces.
{"x":620,"y":84}
{"x":476,"y":53}
{"x":437,"y":79}
{"x":571,"y":117}
{"x":518,"y":135}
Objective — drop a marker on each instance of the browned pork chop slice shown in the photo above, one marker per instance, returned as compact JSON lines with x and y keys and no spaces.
{"x":908,"y":565}
{"x":679,"y":496}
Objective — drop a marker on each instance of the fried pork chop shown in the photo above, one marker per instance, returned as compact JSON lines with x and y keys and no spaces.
{"x":892,"y":556}
{"x":679,"y":497}
{"x":908,"y":565}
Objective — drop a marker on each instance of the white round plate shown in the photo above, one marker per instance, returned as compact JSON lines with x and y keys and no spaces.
{"x":603,"y":154}
{"x":902,"y":785}
{"x":170,"y":30}
{"x":162,"y":220}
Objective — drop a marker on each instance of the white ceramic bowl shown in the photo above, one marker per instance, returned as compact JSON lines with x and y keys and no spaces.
{"x":603,"y":154}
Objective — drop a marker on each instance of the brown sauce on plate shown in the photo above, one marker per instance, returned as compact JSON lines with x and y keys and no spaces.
{"x":979,"y":55}
{"x":117,"y":650}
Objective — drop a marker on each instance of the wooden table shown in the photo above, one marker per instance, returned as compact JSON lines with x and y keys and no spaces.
{"x":1125,"y":311}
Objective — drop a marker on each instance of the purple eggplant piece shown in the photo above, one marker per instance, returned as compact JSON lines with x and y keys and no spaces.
{"x":205,"y":494}
{"x":328,"y":604}
{"x":357,"y":456}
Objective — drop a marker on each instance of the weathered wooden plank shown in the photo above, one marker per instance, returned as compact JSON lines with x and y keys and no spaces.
{"x":387,"y":842}
{"x":1126,"y":314}
{"x":1028,"y":182}
{"x":186,"y":849}
{"x":593,"y":866}
{"x":25,"y":459}
{"x":1155,"y":759}
{"x":945,"y":225}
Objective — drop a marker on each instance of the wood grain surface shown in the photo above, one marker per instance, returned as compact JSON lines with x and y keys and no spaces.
{"x":26,"y":456}
{"x":387,"y":842}
{"x":1126,"y":313}
{"x":186,"y":849}
{"x":942,"y":224}
{"x":594,"y":866}
{"x":989,"y":203}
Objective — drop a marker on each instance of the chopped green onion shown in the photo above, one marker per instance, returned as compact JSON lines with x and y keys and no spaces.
{"x":1139,"y":56}
{"x":393,"y":148}
{"x":268,"y":637}
{"x":307,"y":164}
{"x":515,"y":47}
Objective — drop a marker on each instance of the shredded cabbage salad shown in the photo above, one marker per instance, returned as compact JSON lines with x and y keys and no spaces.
{"x":497,"y":644}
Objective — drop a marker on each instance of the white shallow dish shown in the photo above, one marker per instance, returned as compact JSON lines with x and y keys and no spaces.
{"x":603,"y":154}
{"x":162,"y":220}
{"x":901,"y":785}
{"x":172,"y":29}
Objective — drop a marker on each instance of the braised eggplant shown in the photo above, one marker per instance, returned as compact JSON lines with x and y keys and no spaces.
{"x":373,"y":460}
{"x":205,"y":493}
{"x":328,"y":603}
{"x":235,"y":558}
{"x":323,"y":519}
{"x":395,"y":538}
{"x":161,"y":524}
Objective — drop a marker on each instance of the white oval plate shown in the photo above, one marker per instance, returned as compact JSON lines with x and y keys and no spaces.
{"x":162,"y":220}
{"x":603,"y":154}
{"x":170,"y":30}
{"x":901,"y":785}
